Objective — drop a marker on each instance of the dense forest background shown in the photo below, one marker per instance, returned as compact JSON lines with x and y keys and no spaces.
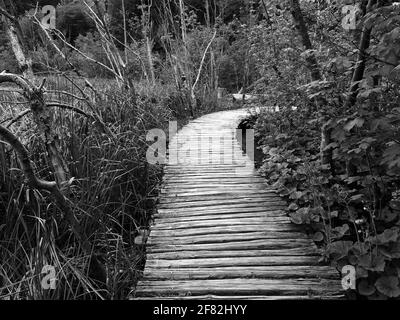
{"x":112,"y":70}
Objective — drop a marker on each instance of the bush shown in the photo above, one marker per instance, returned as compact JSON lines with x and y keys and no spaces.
{"x":351,"y":209}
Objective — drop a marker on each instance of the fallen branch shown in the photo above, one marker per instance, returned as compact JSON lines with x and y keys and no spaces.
{"x":24,"y":160}
{"x":69,"y":107}
{"x":65,"y":93}
{"x":24,"y":84}
{"x":7,"y":15}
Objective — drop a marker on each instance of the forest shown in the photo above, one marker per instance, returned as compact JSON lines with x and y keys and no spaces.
{"x":82,"y":82}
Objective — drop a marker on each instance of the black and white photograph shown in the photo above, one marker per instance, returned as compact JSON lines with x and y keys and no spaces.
{"x":200,"y":158}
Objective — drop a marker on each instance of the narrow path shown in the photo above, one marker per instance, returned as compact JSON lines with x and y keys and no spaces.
{"x":220,"y":231}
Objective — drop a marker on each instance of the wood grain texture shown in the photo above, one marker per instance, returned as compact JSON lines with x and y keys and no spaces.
{"x":220,"y":232}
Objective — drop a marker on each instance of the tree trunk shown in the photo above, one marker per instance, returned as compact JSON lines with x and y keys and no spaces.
{"x":146,"y":30}
{"x":358,"y":73}
{"x":187,"y":71}
{"x":150,"y":59}
{"x":44,"y":118}
{"x":302,"y":28}
{"x":17,"y":44}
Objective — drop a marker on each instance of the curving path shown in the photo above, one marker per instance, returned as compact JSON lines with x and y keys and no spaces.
{"x":221,"y":232}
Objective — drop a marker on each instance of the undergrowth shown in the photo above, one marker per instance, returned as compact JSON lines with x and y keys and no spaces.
{"x":351,"y":206}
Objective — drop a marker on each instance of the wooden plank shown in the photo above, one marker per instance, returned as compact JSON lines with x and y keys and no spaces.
{"x":226,"y":237}
{"x":248,"y":206}
{"x":233,"y":253}
{"x":213,"y":203}
{"x":216,"y":212}
{"x":240,"y":287}
{"x":259,"y":272}
{"x":219,"y":180}
{"x":218,"y":230}
{"x":216,"y":193}
{"x":234,"y":245}
{"x":211,"y":184}
{"x":211,"y":174}
{"x":174,"y":198}
{"x":261,"y":216}
{"x":223,"y":222}
{"x":226,"y":262}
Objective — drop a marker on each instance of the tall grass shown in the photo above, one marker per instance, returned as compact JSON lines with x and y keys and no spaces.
{"x":113,"y":195}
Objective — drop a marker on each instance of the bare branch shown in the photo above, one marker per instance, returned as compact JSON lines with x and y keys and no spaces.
{"x":69,"y":107}
{"x":14,"y":102}
{"x":19,"y":117}
{"x":42,"y":84}
{"x":65,"y":93}
{"x":9,"y":90}
{"x":24,"y":84}
{"x":84,"y":55}
{"x":5,"y":13}
{"x":202,"y":62}
{"x":25,"y":162}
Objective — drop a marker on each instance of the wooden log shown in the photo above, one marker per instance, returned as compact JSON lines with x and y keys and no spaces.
{"x":306,"y":251}
{"x":212,"y":203}
{"x":234,"y":287}
{"x":242,"y":261}
{"x":260,"y":216}
{"x":234,"y":245}
{"x":226,"y":237}
{"x":220,"y":229}
{"x":223,"y":222}
{"x":174,"y":198}
{"x":238,"y":212}
{"x":258,"y":272}
{"x":221,"y":207}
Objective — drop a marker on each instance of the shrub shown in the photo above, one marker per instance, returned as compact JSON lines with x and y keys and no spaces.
{"x":351,"y":210}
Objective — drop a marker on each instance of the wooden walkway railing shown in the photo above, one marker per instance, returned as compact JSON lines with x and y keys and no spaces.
{"x":221,"y":232}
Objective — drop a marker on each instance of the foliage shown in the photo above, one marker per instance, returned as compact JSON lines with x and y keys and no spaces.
{"x":350,"y":205}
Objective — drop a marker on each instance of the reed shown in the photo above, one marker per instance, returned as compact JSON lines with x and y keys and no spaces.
{"x":112,"y":193}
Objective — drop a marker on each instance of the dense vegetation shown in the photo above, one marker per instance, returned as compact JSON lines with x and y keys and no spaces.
{"x":116,"y":69}
{"x":333,"y":150}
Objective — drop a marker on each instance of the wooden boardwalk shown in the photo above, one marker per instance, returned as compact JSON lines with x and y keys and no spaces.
{"x":220,"y":231}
